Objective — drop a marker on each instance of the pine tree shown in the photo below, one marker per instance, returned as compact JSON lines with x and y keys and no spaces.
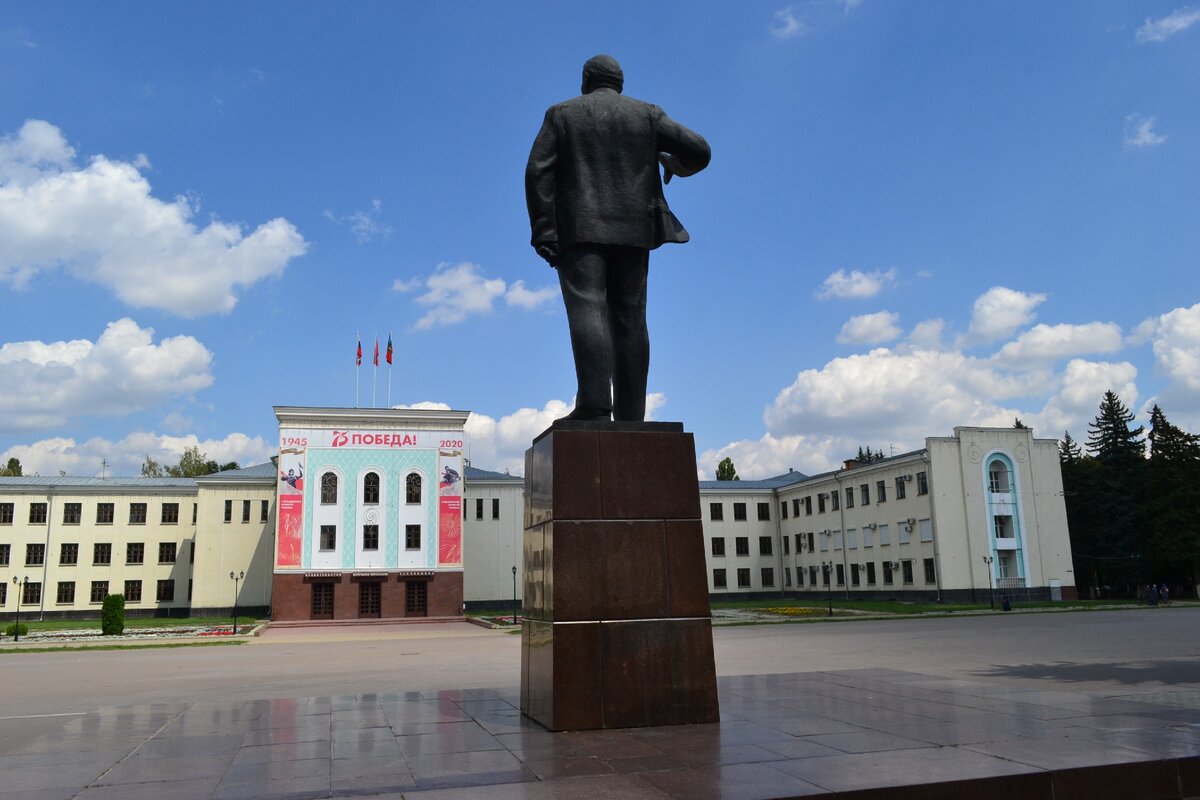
{"x":1018,"y":424}
{"x":1169,"y":443}
{"x":1110,"y":437}
{"x":1173,"y":477}
{"x":1068,"y":450}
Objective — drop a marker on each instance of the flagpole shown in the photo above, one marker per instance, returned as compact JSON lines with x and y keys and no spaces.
{"x":375,"y":371}
{"x":357,"y":365}
{"x":389,"y":360}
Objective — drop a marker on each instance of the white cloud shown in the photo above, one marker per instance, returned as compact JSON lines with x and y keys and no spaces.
{"x":101,"y":222}
{"x":1077,"y":393}
{"x":365,"y":225}
{"x":1159,"y":30}
{"x":1175,"y":338}
{"x":870,"y":329}
{"x":786,"y":25}
{"x":998,"y":313}
{"x":770,"y":456}
{"x":1139,"y":132}
{"x":125,"y":457}
{"x":529,"y":299}
{"x":851,"y":4}
{"x":1048,"y":342}
{"x":927,"y":334}
{"x":856,"y":284}
{"x":122,"y":371}
{"x":457,"y":291}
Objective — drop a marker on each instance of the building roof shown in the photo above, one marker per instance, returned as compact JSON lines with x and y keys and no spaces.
{"x":256,"y":473}
{"x":776,"y":482}
{"x":476,"y":474}
{"x":74,"y":482}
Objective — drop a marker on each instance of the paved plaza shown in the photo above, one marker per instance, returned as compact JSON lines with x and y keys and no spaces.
{"x":1097,"y":704}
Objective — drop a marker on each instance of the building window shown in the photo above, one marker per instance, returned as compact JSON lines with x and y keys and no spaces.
{"x":900,"y":488}
{"x":716,"y":511}
{"x":812,"y":576}
{"x":905,"y":535}
{"x":825,"y":574}
{"x":743,"y":578}
{"x":764,"y":512}
{"x":166,"y":552}
{"x":871,"y":573}
{"x":926,"y":530}
{"x":195,"y":510}
{"x":810,"y":541}
{"x":854,"y":575}
{"x":370,"y":537}
{"x":922,"y":484}
{"x":134,"y":553}
{"x":66,"y":592}
{"x":852,"y":538}
{"x":192,"y":552}
{"x":68,"y":553}
{"x":837,"y":540}
{"x":6,"y":513}
{"x":718,"y":546}
{"x":412,"y":537}
{"x":808,"y":506}
{"x":865,"y":490}
{"x":824,"y":541}
{"x":741,"y":545}
{"x":783,"y":509}
{"x":887,"y":573}
{"x":868,"y":535}
{"x":189,"y":597}
{"x":101,"y":554}
{"x":5,"y":554}
{"x":880,"y":491}
{"x":479,"y":508}
{"x":371,"y":488}
{"x":884,"y":537}
{"x":1004,"y":526}
{"x":835,"y":499}
{"x":245,"y":511}
{"x":764,"y":545}
{"x":999,"y":480}
{"x":72,"y":513}
{"x":495,"y":508}
{"x":768,"y":576}
{"x":739,"y":512}
{"x":795,"y":506}
{"x":329,"y":537}
{"x":37,"y":513}
{"x":170,"y":513}
{"x":412,"y":489}
{"x":906,"y":570}
{"x":32,"y":594}
{"x":841,"y":575}
{"x":99,"y":591}
{"x":787,"y":545}
{"x":165,"y":591}
{"x":719,"y":579}
{"x":787,"y":577}
{"x":35,"y":555}
{"x":264,"y":510}
{"x":849,"y":497}
{"x":821,"y":503}
{"x":137,"y":513}
{"x":133,"y":591}
{"x":229,"y":511}
{"x":329,"y":489}
{"x":416,"y":599}
{"x":930,"y":576}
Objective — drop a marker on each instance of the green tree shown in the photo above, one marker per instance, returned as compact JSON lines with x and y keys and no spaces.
{"x":151,"y":468}
{"x":1169,"y":443}
{"x":1173,"y":475}
{"x":1068,"y":450}
{"x":1018,"y":424}
{"x":726,"y":471}
{"x":228,"y":465}
{"x":12,"y":469}
{"x":1111,"y":438}
{"x":867,"y":456}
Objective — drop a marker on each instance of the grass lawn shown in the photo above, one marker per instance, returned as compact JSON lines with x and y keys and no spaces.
{"x":140,"y":622}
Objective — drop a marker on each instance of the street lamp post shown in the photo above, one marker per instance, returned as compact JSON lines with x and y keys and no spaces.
{"x":991,"y":597}
{"x":236,"y":577}
{"x":827,"y":568}
{"x":514,"y":594}
{"x":20,"y":587}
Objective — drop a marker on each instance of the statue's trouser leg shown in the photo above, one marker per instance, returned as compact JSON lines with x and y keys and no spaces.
{"x":582,"y":277}
{"x":627,"y":270}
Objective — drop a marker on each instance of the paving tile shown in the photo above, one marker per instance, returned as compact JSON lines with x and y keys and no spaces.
{"x":282,"y":789}
{"x":869,"y":742}
{"x":468,"y":769}
{"x":286,"y":735}
{"x":453,"y":737}
{"x":181,"y":746}
{"x":1059,"y":752}
{"x":898,"y":768}
{"x":808,"y":747}
{"x":153,"y":769}
{"x":369,"y":743}
{"x":261,"y":771}
{"x":591,"y":787}
{"x":549,"y":768}
{"x":293,"y":751}
{"x":743,"y":781}
{"x":187,"y":789}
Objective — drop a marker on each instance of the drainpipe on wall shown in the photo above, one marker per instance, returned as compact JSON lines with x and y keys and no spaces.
{"x":937,"y":555}
{"x":845,"y":538}
{"x":46,"y":556}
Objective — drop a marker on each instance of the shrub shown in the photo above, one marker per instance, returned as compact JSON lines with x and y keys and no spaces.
{"x":112,"y":615}
{"x":12,"y":630}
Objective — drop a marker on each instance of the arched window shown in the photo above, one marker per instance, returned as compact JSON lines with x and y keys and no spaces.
{"x":329,"y":489}
{"x":371,"y":488}
{"x":412,"y":489}
{"x":999,"y":478}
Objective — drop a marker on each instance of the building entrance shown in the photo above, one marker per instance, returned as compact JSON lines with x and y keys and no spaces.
{"x":369,"y":599}
{"x":322,"y":601}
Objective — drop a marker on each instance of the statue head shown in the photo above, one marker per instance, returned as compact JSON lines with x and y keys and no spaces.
{"x":602,"y":72}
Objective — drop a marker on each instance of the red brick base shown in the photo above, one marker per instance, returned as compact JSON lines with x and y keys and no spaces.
{"x":291,"y":595}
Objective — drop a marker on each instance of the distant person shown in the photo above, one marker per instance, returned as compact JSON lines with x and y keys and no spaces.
{"x":1005,"y":603}
{"x":1164,"y":595}
{"x":1152,"y":595}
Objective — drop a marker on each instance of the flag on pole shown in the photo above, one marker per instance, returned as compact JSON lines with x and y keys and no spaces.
{"x":389,"y":349}
{"x":377,"y":351}
{"x":358,"y":356}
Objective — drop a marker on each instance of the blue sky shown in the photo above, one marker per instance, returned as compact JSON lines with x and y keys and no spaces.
{"x":918,"y":215}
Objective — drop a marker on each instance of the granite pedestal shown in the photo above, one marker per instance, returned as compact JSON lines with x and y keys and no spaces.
{"x":617,"y":631}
